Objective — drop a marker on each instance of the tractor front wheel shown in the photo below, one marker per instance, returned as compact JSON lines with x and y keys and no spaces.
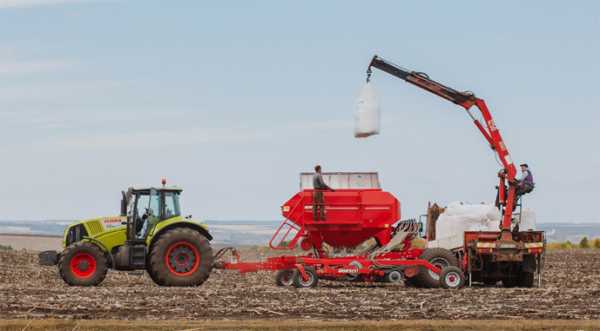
{"x":82,"y":264}
{"x":180,"y":257}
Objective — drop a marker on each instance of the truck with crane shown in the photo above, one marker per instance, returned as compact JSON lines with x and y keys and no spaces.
{"x":508,"y":255}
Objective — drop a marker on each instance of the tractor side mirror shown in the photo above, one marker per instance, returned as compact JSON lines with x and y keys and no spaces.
{"x":123,"y":204}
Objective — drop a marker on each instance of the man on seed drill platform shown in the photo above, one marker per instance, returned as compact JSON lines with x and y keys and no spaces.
{"x":318,"y":202}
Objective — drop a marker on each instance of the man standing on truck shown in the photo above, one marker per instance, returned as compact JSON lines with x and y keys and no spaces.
{"x":319,"y":187}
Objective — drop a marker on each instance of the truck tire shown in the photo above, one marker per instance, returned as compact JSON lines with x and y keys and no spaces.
{"x":312,"y":280}
{"x":180,"y":257}
{"x":526,"y":279}
{"x":510,"y":282}
{"x":412,"y":282}
{"x":452,"y":278}
{"x":284,"y":278}
{"x":439,"y":257}
{"x":490,"y":281}
{"x":82,"y":264}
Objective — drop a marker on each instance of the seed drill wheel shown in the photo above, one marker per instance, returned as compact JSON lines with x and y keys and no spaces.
{"x":180,"y":257}
{"x":82,"y":264}
{"x":440,"y":258}
{"x":394,"y":277}
{"x":284,"y":278}
{"x":312,"y":280}
{"x":452,"y":278}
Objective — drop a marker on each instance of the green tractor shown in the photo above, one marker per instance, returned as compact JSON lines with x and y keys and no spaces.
{"x":150,"y":234}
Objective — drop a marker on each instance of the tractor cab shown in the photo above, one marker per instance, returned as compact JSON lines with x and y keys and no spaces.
{"x":145,"y":207}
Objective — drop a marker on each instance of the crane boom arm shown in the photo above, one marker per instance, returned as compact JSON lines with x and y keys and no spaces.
{"x":423,"y":81}
{"x":466,"y":100}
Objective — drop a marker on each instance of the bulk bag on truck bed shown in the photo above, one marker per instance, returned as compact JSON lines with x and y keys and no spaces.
{"x":459,"y":217}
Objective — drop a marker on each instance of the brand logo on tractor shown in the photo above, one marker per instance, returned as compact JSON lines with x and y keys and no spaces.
{"x":111,"y":222}
{"x":348,"y":271}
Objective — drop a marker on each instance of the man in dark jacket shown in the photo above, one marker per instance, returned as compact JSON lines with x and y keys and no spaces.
{"x":319,"y":187}
{"x":525,"y":183}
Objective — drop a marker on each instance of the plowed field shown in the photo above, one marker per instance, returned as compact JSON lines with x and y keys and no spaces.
{"x":571,"y":291}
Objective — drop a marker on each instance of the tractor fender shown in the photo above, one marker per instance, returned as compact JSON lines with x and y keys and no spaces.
{"x":179,"y":224}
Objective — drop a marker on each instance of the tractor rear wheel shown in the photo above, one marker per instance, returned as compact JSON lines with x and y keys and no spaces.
{"x":82,"y":264}
{"x":440,"y":258}
{"x":180,"y":257}
{"x":284,"y":278}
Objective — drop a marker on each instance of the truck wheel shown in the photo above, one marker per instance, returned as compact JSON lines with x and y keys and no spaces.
{"x":310,"y":282}
{"x":452,"y":278}
{"x":180,"y":257}
{"x":526,"y":279}
{"x":439,"y":257}
{"x":82,"y":264}
{"x":510,"y":282}
{"x":284,"y":278}
{"x":412,"y":282}
{"x":490,"y":281}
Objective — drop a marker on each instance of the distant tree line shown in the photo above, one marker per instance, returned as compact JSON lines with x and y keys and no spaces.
{"x":584,"y":243}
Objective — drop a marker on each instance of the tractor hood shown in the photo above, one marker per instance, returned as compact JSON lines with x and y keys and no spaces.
{"x":93,"y":227}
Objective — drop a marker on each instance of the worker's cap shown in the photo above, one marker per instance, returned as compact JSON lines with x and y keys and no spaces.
{"x":524,"y":165}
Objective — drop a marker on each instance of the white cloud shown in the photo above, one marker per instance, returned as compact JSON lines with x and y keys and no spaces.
{"x":35,"y":3}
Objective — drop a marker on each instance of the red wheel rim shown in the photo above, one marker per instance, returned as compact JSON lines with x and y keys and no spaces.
{"x":182,"y":258}
{"x":83,"y":265}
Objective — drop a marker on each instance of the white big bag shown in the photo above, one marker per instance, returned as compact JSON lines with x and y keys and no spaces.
{"x":366,"y":118}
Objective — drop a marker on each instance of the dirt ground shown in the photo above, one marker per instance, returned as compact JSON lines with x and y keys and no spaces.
{"x":304,"y":325}
{"x":571,"y":291}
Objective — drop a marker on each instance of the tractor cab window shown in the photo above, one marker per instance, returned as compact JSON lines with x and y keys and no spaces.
{"x":171,"y":205}
{"x":147,"y":212}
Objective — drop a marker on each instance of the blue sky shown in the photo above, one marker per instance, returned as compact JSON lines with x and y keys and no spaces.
{"x":232,"y":99}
